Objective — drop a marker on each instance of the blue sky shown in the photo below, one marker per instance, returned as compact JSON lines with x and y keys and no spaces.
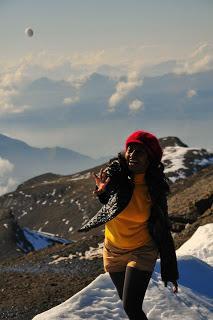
{"x":72,"y":40}
{"x":67,"y":26}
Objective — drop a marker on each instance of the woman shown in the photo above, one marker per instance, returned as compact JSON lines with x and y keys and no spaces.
{"x":133,"y":190}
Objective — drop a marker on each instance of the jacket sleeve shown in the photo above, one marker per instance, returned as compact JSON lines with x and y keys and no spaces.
{"x":168,"y":259}
{"x":103,"y":197}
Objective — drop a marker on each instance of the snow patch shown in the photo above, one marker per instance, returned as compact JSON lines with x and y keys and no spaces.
{"x":80,"y":176}
{"x":88,"y":255}
{"x":40,"y":240}
{"x":99,"y":300}
{"x":196,"y":245}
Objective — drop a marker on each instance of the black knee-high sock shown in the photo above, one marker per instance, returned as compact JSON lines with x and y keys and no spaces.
{"x":135,"y":285}
{"x":131,"y":286}
{"x":118,"y":280}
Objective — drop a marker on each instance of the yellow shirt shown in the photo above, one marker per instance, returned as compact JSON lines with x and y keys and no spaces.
{"x":129,"y":229}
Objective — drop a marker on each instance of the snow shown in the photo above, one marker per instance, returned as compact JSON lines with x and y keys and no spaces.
{"x":180,"y":175}
{"x":204,"y":162}
{"x":80,"y":176}
{"x":23,"y":214}
{"x":174,"y":158}
{"x":40,"y":240}
{"x":194,"y":301}
{"x":53,"y":193}
{"x":94,"y":252}
{"x":196,"y":245}
{"x":176,"y":155}
{"x":88,"y":255}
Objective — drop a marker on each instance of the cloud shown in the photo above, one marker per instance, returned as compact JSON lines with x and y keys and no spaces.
{"x":15,"y":78}
{"x":9,"y":186}
{"x":77,"y":67}
{"x":58,"y":67}
{"x":5,"y":99}
{"x":8,"y":108}
{"x":199,"y":60}
{"x":10,"y":83}
{"x":70,"y":66}
{"x":136,"y":105}
{"x":7,"y":183}
{"x":123,"y":89}
{"x":70,"y":100}
{"x":191,"y":93}
{"x":5,"y":167}
{"x":199,"y":50}
{"x":88,"y":58}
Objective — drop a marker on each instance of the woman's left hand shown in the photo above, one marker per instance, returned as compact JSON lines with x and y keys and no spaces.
{"x":175,"y":286}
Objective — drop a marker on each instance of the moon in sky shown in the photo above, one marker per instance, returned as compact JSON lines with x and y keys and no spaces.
{"x":29,"y":32}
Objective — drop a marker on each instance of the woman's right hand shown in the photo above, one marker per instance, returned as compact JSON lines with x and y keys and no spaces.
{"x":101,"y":182}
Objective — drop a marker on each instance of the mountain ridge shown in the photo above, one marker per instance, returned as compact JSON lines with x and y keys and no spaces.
{"x":30,"y":161}
{"x":70,"y":196}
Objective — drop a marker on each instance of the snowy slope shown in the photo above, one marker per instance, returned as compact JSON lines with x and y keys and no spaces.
{"x":181,"y":162}
{"x":40,"y":240}
{"x":99,"y":300}
{"x":200,"y":245}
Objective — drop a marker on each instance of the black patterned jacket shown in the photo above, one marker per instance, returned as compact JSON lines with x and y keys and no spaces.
{"x":115,"y":199}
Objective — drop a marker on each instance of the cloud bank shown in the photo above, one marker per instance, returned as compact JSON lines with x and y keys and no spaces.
{"x":77,"y":67}
{"x":123,"y":88}
{"x":199,"y":60}
{"x":7,"y":183}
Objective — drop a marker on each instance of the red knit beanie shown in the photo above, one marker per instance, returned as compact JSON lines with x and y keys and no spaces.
{"x":149,"y":141}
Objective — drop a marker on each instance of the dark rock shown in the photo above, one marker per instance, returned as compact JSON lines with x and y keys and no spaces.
{"x":171,"y":142}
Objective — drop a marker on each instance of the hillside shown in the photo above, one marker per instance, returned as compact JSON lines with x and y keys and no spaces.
{"x":55,"y":206}
{"x":49,"y":209}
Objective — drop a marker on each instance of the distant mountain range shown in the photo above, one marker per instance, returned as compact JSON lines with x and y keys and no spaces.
{"x":31,"y":161}
{"x":171,"y":95}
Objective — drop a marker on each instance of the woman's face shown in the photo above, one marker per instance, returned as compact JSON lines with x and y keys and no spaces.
{"x":137,"y":158}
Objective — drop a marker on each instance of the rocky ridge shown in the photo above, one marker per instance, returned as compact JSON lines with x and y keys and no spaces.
{"x":70,"y":197}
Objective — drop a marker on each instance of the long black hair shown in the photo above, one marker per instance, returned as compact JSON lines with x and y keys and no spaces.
{"x":158,"y":183}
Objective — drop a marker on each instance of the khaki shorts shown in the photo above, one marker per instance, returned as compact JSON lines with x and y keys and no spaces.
{"x":142,"y":258}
